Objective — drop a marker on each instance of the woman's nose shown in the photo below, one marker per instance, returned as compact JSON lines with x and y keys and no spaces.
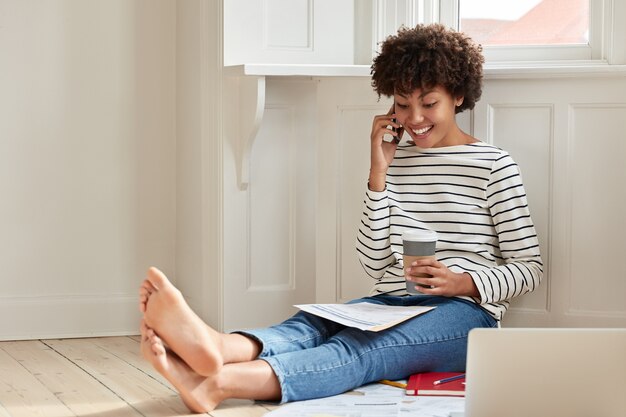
{"x":415,"y":116}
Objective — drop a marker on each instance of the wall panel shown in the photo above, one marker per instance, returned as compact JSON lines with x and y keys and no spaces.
{"x":531,"y":148}
{"x":598,"y":224}
{"x":567,"y":136}
{"x":269,"y":228}
{"x":271,"y":203}
{"x":570,"y":155}
{"x":354,"y":123}
{"x":346,"y":109}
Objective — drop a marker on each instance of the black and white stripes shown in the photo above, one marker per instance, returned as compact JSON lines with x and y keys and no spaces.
{"x":473,"y":197}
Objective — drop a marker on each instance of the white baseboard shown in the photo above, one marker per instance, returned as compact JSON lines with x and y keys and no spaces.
{"x":46,"y":317}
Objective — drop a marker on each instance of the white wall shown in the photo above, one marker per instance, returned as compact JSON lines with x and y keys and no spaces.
{"x":199,"y":172}
{"x":87,"y":158}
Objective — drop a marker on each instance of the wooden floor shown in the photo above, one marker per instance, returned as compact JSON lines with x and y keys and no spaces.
{"x":96,"y":377}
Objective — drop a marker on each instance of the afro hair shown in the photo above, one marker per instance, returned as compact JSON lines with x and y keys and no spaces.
{"x":427,"y":56}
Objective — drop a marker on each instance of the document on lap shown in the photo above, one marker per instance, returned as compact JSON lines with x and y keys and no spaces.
{"x":364,"y":316}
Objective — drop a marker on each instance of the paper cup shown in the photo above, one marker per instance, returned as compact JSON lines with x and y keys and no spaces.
{"x":417,"y":244}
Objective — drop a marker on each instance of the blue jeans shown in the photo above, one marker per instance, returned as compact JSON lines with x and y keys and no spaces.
{"x":314,"y":357}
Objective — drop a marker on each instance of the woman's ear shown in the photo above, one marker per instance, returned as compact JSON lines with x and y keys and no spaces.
{"x":459,"y":101}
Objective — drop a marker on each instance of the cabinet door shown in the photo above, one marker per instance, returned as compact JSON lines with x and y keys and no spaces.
{"x":288,"y":32}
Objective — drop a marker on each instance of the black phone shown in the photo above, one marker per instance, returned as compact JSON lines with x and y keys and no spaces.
{"x":399,"y":131}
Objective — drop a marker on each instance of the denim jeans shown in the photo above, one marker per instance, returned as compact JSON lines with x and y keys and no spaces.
{"x":314,"y":357}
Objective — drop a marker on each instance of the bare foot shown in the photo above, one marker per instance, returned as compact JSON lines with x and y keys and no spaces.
{"x":166,"y":311}
{"x":200,"y":394}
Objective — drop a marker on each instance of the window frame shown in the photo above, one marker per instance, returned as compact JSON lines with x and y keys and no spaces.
{"x":604,"y":18}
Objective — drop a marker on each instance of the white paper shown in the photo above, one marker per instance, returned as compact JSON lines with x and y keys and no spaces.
{"x":364,"y":316}
{"x":374,"y":400}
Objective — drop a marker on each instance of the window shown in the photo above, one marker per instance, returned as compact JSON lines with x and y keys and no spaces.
{"x":526,"y":22}
{"x":535,"y":30}
{"x":529,"y":32}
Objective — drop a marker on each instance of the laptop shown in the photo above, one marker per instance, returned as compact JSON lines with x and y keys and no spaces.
{"x":546,"y":372}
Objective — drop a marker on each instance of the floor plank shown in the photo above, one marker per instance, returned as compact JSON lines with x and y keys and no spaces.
{"x":145,"y":394}
{"x":270,"y":407}
{"x":93,"y":377}
{"x":239,"y":408}
{"x":23,"y":395}
{"x":79,"y":391}
{"x":4,"y":412}
{"x":127,"y":349}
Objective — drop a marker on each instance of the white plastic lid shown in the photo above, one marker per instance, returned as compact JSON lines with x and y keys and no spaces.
{"x":417,"y":235}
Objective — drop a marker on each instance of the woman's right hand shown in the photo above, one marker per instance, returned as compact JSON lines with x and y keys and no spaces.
{"x":382,"y":152}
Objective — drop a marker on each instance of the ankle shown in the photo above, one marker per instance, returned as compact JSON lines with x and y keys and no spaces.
{"x":236,"y":347}
{"x":218,"y":391}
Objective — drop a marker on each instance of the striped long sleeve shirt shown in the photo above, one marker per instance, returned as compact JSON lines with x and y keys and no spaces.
{"x":473,"y":197}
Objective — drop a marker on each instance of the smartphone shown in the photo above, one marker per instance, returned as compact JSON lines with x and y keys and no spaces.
{"x":399,"y":131}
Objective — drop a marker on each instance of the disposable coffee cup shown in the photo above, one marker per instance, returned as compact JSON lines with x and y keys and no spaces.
{"x":417,"y":244}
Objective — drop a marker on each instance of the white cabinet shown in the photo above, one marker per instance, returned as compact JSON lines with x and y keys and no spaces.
{"x":288,"y":31}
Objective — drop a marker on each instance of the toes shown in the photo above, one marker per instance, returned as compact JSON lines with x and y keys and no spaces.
{"x":156,"y":278}
{"x":143,"y":302}
{"x":145,"y":290}
{"x":143,"y":328}
{"x":144,"y":293}
{"x":152,"y":340}
{"x":157,"y":345}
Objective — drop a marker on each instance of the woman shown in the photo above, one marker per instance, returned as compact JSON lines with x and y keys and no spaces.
{"x":439,"y":179}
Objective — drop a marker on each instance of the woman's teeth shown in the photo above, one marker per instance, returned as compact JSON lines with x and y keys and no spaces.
{"x":421,"y":131}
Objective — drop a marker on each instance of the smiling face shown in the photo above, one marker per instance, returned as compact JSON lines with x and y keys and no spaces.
{"x":428,"y":116}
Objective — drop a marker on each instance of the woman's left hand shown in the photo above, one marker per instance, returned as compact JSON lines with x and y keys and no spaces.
{"x":442,"y":281}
